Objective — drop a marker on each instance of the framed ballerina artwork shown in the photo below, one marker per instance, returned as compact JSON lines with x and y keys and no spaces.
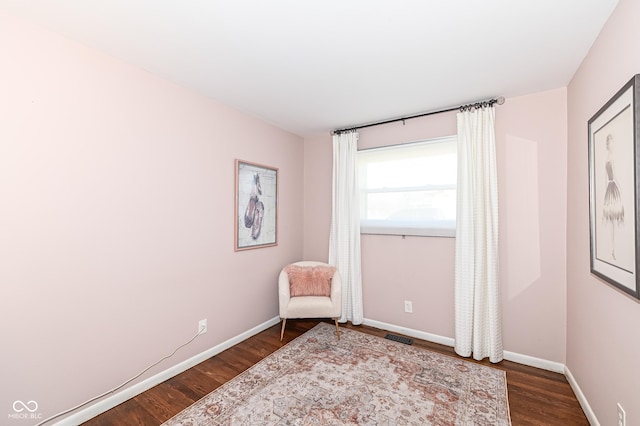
{"x":256,"y":206}
{"x":614,"y":165}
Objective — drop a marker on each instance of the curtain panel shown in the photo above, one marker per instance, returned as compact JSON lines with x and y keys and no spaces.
{"x":478,"y":316}
{"x":344,"y":239}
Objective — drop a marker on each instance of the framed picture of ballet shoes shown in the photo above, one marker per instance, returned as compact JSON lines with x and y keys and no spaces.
{"x":614,"y":165}
{"x":256,"y":206}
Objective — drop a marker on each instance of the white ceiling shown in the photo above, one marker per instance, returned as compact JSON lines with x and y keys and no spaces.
{"x":316,"y":65}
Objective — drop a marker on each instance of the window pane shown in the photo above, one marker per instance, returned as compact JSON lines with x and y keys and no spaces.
{"x":408,"y":172}
{"x":409,"y":189}
{"x":412,"y":206}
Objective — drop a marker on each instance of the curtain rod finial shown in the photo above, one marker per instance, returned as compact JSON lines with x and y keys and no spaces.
{"x":500,"y":100}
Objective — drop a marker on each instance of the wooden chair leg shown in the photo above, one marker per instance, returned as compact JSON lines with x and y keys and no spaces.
{"x":284,"y":321}
{"x":337,"y":329}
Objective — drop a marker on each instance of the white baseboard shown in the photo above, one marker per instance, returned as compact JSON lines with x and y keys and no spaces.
{"x":532,"y":361}
{"x":591,"y":416}
{"x":130,"y":392}
{"x":448,"y":341}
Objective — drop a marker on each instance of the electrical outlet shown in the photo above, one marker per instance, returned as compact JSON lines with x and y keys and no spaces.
{"x":202,"y":326}
{"x":408,"y":306}
{"x":622,"y":416}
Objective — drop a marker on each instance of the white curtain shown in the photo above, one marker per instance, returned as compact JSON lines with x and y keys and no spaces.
{"x":478,"y":317}
{"x":344,"y":239}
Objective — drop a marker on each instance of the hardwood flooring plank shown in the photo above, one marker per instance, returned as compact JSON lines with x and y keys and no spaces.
{"x":163,"y":402}
{"x":218,"y":369}
{"x":233,"y":357}
{"x":193,"y":383}
{"x":129,"y":413}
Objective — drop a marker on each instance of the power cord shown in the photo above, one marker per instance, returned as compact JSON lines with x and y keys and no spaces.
{"x":55,"y":416}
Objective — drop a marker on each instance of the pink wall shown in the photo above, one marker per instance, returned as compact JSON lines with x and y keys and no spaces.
{"x":603,"y":341}
{"x":116,"y":220}
{"x":317,"y":196}
{"x":532,"y":159}
{"x":116,"y":225}
{"x":531,"y":150}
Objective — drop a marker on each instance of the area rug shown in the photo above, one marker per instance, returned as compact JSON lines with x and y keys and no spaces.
{"x":357,"y":380}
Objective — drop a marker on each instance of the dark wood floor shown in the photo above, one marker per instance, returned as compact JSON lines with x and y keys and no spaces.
{"x":536,"y":397}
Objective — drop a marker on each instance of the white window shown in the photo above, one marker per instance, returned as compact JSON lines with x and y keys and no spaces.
{"x":409,"y":189}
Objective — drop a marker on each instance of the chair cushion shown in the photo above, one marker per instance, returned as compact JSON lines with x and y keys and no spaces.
{"x":310,"y":280}
{"x":311,"y":307}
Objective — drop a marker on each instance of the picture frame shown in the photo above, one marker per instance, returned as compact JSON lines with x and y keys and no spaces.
{"x":614,"y":174}
{"x":256,"y":206}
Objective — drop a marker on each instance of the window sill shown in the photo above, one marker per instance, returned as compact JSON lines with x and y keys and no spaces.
{"x":408,"y":231}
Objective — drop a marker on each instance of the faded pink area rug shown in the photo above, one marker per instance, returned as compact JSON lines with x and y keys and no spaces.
{"x":357,"y":380}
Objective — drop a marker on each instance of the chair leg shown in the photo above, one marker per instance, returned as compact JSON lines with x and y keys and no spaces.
{"x":337,"y":329}
{"x":284,"y":321}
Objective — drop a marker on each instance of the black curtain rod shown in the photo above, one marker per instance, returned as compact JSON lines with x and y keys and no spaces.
{"x":476,"y":105}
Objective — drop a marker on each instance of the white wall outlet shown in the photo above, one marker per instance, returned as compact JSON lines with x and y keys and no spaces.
{"x":202,"y":326}
{"x":408,"y":306}
{"x":622,"y":416}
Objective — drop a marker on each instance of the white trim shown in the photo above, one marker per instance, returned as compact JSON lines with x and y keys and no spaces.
{"x":132,"y":391}
{"x":532,"y":361}
{"x":591,"y":416}
{"x":385,"y":227}
{"x":448,"y":341}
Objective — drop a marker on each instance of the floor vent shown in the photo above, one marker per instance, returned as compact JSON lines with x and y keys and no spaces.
{"x":400,"y":339}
